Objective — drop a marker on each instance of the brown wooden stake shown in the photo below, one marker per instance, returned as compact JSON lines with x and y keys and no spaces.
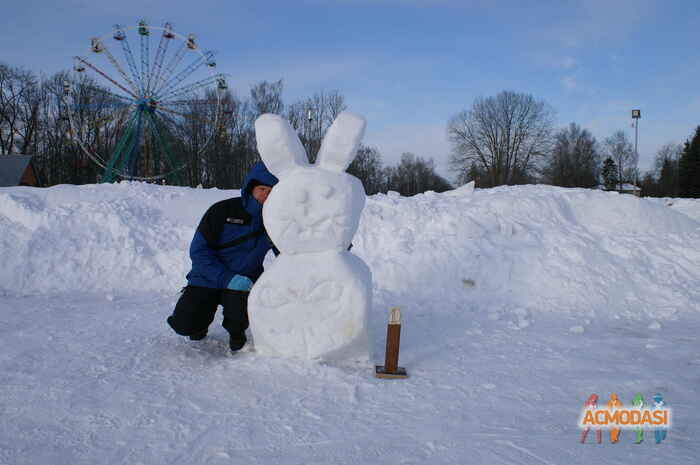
{"x":393,"y":341}
{"x":391,"y":368}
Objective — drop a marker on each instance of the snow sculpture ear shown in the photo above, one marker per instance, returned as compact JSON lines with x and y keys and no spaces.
{"x":340,"y":144}
{"x":278,"y":144}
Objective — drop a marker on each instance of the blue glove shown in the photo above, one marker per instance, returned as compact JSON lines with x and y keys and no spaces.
{"x":240,"y":283}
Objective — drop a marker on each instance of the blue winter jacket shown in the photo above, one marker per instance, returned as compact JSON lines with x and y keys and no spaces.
{"x":230,"y":238}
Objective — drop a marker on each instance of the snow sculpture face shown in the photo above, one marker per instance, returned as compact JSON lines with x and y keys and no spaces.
{"x":313,"y":207}
{"x":314,"y":210}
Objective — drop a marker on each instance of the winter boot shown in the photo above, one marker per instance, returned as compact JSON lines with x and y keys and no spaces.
{"x":198,"y":336}
{"x":237,"y":341}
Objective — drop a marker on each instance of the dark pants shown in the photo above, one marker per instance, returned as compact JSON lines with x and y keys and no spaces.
{"x":195,"y":310}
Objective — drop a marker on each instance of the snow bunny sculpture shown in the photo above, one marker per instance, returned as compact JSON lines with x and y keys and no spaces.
{"x":313,"y":301}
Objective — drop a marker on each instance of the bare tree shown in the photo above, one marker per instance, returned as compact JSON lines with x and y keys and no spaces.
{"x":34,"y":119}
{"x":57,"y":155}
{"x":29,"y":116}
{"x":414,"y":175}
{"x":504,"y":135}
{"x":19,"y":109}
{"x":668,"y":152}
{"x":367,"y":167}
{"x":312,"y":117}
{"x":620,"y":149}
{"x":574,"y":160}
{"x":266,"y":97}
{"x":336,"y":105}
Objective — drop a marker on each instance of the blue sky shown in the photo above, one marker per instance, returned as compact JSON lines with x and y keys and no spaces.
{"x":408,"y":66}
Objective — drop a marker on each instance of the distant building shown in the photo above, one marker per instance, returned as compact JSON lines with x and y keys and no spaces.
{"x":18,"y":170}
{"x":624,"y":189}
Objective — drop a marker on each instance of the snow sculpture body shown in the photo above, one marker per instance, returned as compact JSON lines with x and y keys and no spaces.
{"x":313,"y":301}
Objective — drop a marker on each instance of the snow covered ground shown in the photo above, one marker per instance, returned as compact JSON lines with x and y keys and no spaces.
{"x":518,"y":303}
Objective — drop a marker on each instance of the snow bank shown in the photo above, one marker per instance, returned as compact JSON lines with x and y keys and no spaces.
{"x":510,"y":250}
{"x":525,"y":249}
{"x":689,"y":207}
{"x":110,"y":237}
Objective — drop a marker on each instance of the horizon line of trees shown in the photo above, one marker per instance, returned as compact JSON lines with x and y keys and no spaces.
{"x":509,"y":138}
{"x":33,"y":121}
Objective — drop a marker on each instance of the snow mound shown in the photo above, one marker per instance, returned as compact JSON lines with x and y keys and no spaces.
{"x":537,"y":248}
{"x":689,"y":207}
{"x":109,"y":237}
{"x":578,"y":251}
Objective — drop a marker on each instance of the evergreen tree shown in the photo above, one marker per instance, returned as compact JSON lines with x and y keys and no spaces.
{"x":689,"y":167}
{"x":666,"y":169}
{"x":474,"y":174}
{"x":668,"y":178}
{"x":609,"y":173}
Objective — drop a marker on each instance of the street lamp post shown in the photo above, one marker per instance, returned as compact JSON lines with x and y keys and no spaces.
{"x":636,"y":115}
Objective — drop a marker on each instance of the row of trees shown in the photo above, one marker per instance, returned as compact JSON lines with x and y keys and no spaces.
{"x":676,"y":170}
{"x":33,"y":120}
{"x":510,"y":139}
{"x":412,"y":175}
{"x":504,"y":139}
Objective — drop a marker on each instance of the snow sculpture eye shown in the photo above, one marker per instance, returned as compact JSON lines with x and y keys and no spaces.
{"x":274,"y":297}
{"x":325,"y":291}
{"x":301,"y":196}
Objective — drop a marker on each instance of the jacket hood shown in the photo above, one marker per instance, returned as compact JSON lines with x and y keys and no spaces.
{"x":260,"y":174}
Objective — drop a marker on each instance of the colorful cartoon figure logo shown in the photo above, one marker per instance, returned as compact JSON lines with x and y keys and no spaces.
{"x":613,"y":404}
{"x":659,"y":404}
{"x":591,"y":404}
{"x":638,"y":403}
{"x":616,"y":417}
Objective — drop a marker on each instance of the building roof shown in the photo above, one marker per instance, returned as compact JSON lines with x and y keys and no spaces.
{"x":630,"y":187}
{"x":11,"y":169}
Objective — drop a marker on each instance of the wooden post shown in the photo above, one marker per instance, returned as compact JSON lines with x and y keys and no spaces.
{"x":391,"y":368}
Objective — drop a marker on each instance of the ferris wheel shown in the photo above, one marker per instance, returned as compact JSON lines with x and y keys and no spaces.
{"x":143,"y":115}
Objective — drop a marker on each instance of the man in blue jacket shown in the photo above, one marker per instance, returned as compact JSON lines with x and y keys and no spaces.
{"x":227,"y":253}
